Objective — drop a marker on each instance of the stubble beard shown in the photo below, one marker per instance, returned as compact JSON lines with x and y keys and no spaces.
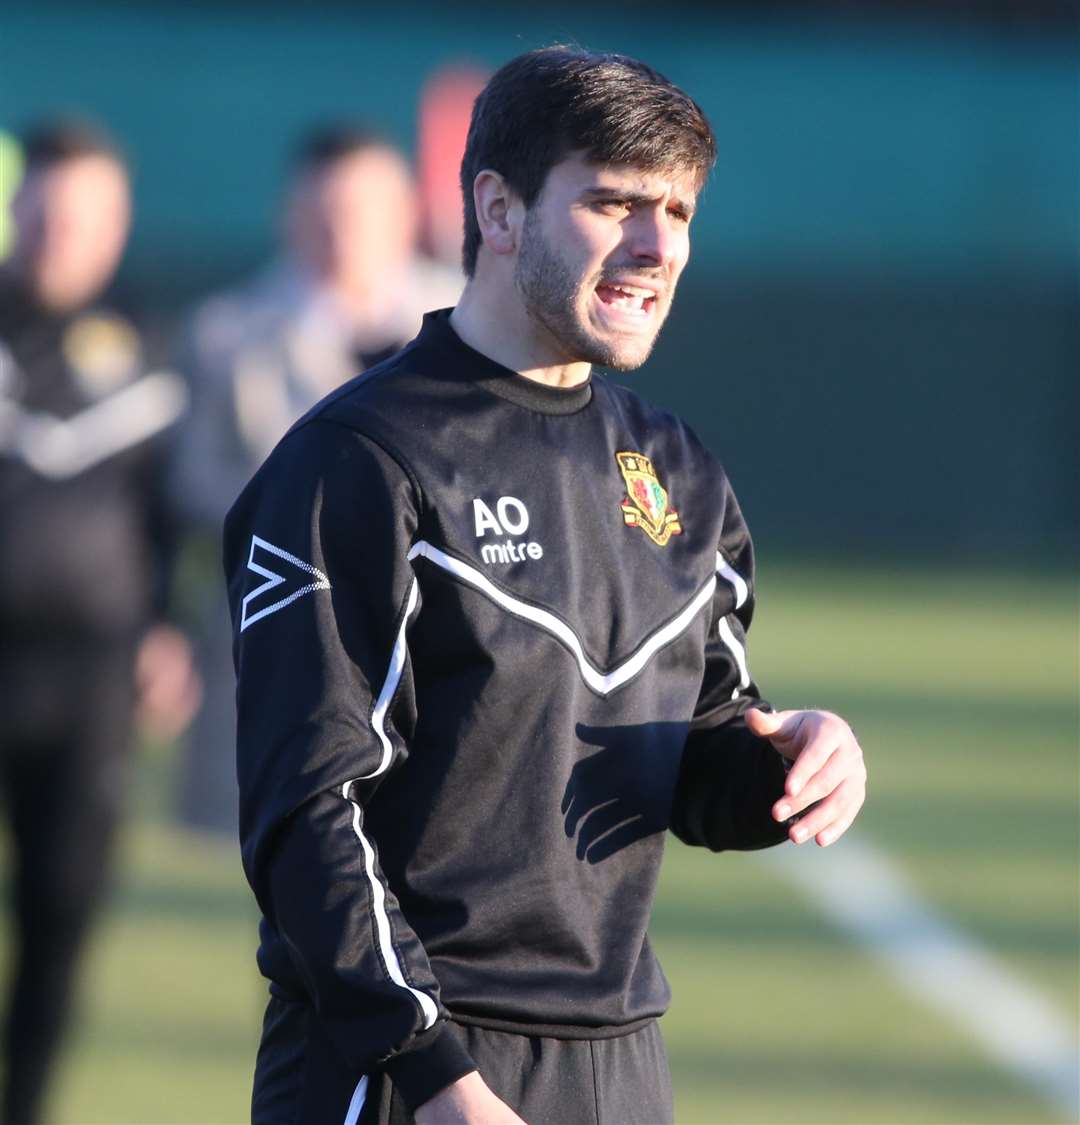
{"x":552,"y":295}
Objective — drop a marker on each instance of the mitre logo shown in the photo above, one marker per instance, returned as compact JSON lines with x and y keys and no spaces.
{"x":647,"y":506}
{"x":297,"y":579}
{"x":509,"y":518}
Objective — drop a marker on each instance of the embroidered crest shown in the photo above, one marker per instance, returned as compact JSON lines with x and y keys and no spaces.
{"x":647,"y":506}
{"x":103,"y":353}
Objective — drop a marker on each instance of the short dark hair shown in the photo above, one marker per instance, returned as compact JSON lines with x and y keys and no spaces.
{"x":548,"y":103}
{"x":55,"y":141}
{"x":327,"y":144}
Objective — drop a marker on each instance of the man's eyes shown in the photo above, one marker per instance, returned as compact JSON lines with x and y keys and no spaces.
{"x":616,"y":206}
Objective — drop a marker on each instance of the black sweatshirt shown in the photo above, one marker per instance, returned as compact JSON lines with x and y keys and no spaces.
{"x":490,"y":647}
{"x":85,"y":534}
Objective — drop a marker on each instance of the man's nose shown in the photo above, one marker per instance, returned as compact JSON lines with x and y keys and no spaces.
{"x":653,"y":238}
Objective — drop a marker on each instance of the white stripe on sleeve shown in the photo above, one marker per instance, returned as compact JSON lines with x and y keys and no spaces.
{"x":378,"y":893}
{"x":382,"y":920}
{"x":733,"y":578}
{"x":737,"y":650}
{"x":356,"y":1103}
{"x":390,"y":685}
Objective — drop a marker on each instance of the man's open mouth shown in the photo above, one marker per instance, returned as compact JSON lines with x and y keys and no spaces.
{"x":626,"y":298}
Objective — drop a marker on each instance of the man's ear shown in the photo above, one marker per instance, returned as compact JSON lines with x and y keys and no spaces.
{"x":499,"y":212}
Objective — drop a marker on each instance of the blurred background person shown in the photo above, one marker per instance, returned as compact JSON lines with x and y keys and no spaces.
{"x":446,"y":102}
{"x":349,"y":289}
{"x":84,"y":542}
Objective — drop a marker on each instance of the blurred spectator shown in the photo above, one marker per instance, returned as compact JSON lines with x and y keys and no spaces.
{"x":10,"y":175}
{"x":349,"y":290}
{"x":83,"y":543}
{"x":446,"y":104}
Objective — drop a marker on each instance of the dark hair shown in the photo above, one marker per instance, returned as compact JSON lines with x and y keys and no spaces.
{"x":548,"y":103}
{"x":46,"y":143}
{"x":327,"y":144}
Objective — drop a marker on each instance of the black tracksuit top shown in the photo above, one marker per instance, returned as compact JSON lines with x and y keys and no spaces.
{"x":489,"y":639}
{"x":84,"y":550}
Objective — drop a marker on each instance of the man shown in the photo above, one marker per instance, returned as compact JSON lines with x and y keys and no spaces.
{"x":83,"y":546}
{"x":490,"y":620}
{"x":348,"y":290}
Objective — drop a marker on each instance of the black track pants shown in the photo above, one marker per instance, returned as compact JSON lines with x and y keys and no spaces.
{"x":621,"y":1081}
{"x":64,"y":736}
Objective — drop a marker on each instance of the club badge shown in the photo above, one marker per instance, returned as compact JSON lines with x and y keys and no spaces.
{"x":647,"y":506}
{"x":103,"y":353}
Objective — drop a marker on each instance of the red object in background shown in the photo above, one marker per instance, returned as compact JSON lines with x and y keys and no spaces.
{"x":446,"y":103}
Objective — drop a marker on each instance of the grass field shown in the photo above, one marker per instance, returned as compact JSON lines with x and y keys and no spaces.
{"x":964,"y":693}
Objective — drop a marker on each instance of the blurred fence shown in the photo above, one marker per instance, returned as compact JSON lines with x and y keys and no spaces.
{"x":879,"y":330}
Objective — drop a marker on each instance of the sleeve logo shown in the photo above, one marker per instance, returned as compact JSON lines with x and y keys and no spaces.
{"x":315,"y":580}
{"x":647,"y":506}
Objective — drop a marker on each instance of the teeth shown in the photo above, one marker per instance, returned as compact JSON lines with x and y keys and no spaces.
{"x":629,"y":298}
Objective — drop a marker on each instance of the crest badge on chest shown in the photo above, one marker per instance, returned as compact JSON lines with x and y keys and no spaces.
{"x":103,"y":352}
{"x":647,"y":504}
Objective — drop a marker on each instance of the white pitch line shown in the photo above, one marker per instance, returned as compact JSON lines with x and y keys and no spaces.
{"x":863,"y":891}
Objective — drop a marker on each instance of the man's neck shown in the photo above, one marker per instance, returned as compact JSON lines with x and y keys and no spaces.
{"x":497,"y":325}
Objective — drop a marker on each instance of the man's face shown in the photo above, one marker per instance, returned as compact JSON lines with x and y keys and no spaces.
{"x":601,"y":251}
{"x":354,"y":222}
{"x":72,"y":220}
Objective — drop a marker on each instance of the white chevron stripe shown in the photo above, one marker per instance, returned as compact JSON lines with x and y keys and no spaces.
{"x":601,"y":682}
{"x":59,"y":448}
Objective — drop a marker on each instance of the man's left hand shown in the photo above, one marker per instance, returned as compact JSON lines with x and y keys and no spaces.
{"x":827,"y":768}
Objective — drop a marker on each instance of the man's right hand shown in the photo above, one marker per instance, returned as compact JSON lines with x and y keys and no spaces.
{"x":468,"y":1101}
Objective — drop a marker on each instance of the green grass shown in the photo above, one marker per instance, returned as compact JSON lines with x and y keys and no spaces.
{"x":964,"y":693}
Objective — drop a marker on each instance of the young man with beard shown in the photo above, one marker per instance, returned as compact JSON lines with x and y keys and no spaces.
{"x":490,"y":618}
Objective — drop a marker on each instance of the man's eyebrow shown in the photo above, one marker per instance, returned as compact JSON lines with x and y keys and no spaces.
{"x":618,"y":193}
